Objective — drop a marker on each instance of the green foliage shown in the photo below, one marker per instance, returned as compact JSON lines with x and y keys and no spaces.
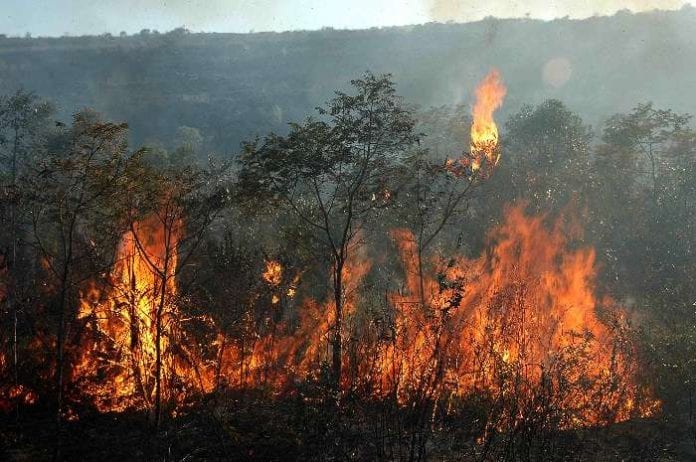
{"x":73,"y":193}
{"x":23,"y":123}
{"x":334,"y":172}
{"x":644,"y":127}
{"x":547,"y":155}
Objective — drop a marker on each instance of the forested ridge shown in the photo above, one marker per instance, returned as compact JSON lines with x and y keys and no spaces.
{"x":232,"y":85}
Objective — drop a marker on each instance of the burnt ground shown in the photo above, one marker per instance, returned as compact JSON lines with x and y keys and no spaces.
{"x":243,"y":427}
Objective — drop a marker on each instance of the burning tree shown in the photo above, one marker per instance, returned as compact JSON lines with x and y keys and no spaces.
{"x":334,"y":173}
{"x":71,"y":197}
{"x":519,"y":329}
{"x":135,"y":334}
{"x":436,"y":195}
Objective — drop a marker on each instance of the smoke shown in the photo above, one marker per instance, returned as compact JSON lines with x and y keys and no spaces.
{"x":213,"y":14}
{"x":445,"y":10}
{"x":90,"y":17}
{"x":468,"y":10}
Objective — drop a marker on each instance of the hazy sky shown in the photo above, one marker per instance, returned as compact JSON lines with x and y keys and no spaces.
{"x":77,"y":17}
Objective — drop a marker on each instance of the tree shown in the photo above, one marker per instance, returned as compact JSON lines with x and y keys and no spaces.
{"x":23,"y":122}
{"x":23,"y":118}
{"x":174,"y":206}
{"x":642,"y":172}
{"x":437,"y":186}
{"x":189,"y":142}
{"x":70,"y":195}
{"x":648,"y":131}
{"x":334,"y":173}
{"x":548,"y":153}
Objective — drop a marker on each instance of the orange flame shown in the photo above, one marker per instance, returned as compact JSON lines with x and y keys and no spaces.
{"x":118,"y":354}
{"x":484,"y":131}
{"x":524,"y":314}
{"x":273,"y":274}
{"x":521,"y":319}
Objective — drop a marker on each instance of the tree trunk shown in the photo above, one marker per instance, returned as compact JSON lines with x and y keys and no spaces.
{"x":60,"y":359}
{"x":421,"y":279}
{"x":158,"y":351}
{"x":653,"y":171}
{"x":337,"y":341}
{"x":12,"y":300}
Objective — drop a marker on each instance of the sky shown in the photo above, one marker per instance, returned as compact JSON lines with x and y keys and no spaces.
{"x":93,"y":17}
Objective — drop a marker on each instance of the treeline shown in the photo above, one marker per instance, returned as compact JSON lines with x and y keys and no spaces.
{"x":329,"y":191}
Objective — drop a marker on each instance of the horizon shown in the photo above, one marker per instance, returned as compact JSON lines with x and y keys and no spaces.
{"x":174,"y":15}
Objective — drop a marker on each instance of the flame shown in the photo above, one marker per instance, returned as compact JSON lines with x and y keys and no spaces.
{"x":118,"y":352}
{"x":288,"y":355}
{"x":521,"y":320}
{"x":523,"y":315}
{"x":273,"y":274}
{"x":484,"y":131}
{"x":484,"y":146}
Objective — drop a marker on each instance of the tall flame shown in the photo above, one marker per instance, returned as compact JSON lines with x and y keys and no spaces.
{"x":484,"y":131}
{"x":524,"y":314}
{"x":118,"y":351}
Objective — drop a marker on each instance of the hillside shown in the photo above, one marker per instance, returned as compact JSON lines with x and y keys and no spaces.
{"x":231,"y":86}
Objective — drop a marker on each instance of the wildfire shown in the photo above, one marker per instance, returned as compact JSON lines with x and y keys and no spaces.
{"x":520,"y":324}
{"x":520,"y":320}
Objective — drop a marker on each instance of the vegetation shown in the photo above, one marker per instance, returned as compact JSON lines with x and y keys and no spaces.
{"x":234,"y":86}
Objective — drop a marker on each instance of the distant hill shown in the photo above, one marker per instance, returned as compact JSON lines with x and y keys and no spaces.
{"x":231,"y":86}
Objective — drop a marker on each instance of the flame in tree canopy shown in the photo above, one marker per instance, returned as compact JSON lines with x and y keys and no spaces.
{"x":484,"y":131}
{"x":484,"y":148}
